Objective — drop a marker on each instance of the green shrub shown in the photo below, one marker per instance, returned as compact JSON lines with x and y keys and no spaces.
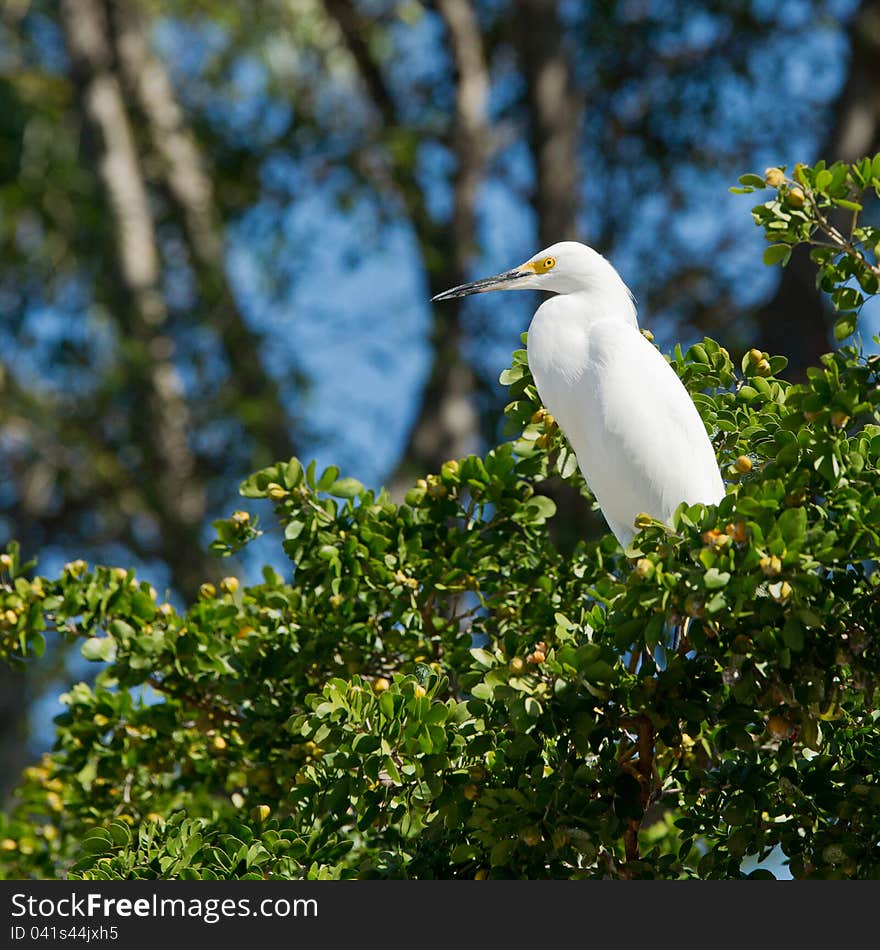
{"x":433,"y":690}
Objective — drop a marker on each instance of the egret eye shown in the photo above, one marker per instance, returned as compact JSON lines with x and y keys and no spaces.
{"x":548,"y":263}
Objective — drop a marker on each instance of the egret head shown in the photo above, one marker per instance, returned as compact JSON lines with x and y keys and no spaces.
{"x":564,"y":268}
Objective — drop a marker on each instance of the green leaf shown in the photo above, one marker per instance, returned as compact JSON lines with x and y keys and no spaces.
{"x":97,"y":841}
{"x":293,"y":473}
{"x":536,"y":510}
{"x":346,"y":488}
{"x":793,"y":634}
{"x":823,"y":180}
{"x":99,"y":648}
{"x":328,"y":478}
{"x":714,"y":579}
{"x":511,"y":375}
{"x":777,"y":253}
{"x":752,"y":181}
{"x":845,"y":325}
{"x":792,"y":524}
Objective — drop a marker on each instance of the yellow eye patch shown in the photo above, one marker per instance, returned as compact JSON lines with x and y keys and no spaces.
{"x":540,"y":266}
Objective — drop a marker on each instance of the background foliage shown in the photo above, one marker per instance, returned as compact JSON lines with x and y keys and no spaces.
{"x":205,"y":213}
{"x":434,"y":688}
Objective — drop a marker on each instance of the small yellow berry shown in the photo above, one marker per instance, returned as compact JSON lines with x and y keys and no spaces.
{"x":737,"y":531}
{"x":260,"y":812}
{"x":774,"y":177}
{"x":6,"y":565}
{"x":779,"y":727}
{"x":381,"y":684}
{"x":796,"y":197}
{"x":783,"y":593}
{"x":207,"y":591}
{"x":229,"y":585}
{"x":770,"y":565}
{"x":516,"y":665}
{"x":239,"y":518}
{"x":714,"y":538}
{"x":419,"y":690}
{"x":76,"y":568}
{"x":219,"y":743}
{"x":743,"y":464}
{"x":644,"y":568}
{"x":531,"y":836}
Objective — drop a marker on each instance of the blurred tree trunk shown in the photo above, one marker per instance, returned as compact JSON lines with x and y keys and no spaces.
{"x":554,"y":119}
{"x":447,"y":423}
{"x":158,"y":414}
{"x":252,"y":396}
{"x":13,"y":727}
{"x":796,"y":322}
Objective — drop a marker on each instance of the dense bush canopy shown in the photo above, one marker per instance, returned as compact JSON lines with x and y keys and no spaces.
{"x":434,"y":690}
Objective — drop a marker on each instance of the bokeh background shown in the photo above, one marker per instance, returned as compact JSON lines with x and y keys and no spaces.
{"x":222,"y":221}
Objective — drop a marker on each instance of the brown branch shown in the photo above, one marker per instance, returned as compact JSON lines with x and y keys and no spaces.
{"x":645,"y":773}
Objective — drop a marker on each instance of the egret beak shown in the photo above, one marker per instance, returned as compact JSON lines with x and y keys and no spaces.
{"x":505,"y":281}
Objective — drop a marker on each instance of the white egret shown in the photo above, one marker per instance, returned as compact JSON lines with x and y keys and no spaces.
{"x":640,"y":443}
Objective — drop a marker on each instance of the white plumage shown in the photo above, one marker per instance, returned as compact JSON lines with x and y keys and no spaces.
{"x":640,"y":443}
